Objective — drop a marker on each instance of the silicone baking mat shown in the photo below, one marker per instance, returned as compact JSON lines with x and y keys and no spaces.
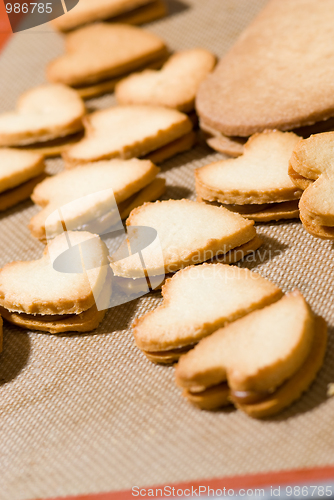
{"x":89,"y":413}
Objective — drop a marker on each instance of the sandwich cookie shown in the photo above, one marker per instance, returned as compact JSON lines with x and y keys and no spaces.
{"x":91,"y":69}
{"x":20,"y":172}
{"x":103,"y":192}
{"x":234,"y":146}
{"x":197,"y":301}
{"x":257,"y":184}
{"x":47,"y":119}
{"x":125,"y":11}
{"x":261,"y":363}
{"x":236,"y":100}
{"x":149,"y":132}
{"x":187,"y":233}
{"x":312,"y":170}
{"x":230,"y":146}
{"x":174,"y":86}
{"x":36,"y":296}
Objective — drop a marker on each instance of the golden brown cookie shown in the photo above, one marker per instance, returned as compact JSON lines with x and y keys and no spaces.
{"x":245,"y":94}
{"x":103,"y":191}
{"x":37,"y":288}
{"x":268,"y":358}
{"x":174,"y":86}
{"x":312,"y":168}
{"x":44,"y":113}
{"x":87,"y":62}
{"x":292,"y":390}
{"x":188,"y":233}
{"x":197,"y":301}
{"x":129,"y":131}
{"x":257,"y":183}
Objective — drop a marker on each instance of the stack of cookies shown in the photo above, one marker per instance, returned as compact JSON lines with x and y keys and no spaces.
{"x":47,"y":120}
{"x":254,"y":349}
{"x":69,"y":297}
{"x":104,"y":192}
{"x":92,"y":70}
{"x":261,"y":372}
{"x":288,"y":42}
{"x":150,"y":132}
{"x":257,"y":184}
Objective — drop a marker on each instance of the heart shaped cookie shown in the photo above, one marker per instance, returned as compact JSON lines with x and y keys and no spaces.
{"x":131,"y":131}
{"x":312,"y":169}
{"x":256,"y":184}
{"x":43,"y":113}
{"x":87,"y":61}
{"x":189,"y":233}
{"x":103,"y":192}
{"x":174,"y":86}
{"x":262,"y":362}
{"x":38,"y":288}
{"x":197,"y":301}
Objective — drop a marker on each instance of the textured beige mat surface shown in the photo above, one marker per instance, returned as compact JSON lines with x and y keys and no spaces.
{"x":89,"y":413}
